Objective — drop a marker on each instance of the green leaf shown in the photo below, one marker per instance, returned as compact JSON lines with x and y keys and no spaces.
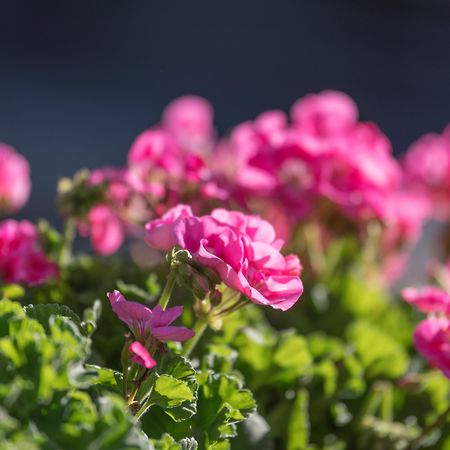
{"x":12,"y":291}
{"x":169,"y":392}
{"x":380,"y":354}
{"x":175,"y":389}
{"x":298,"y":427}
{"x":222,"y":403}
{"x":42,"y":313}
{"x":167,"y":442}
{"x":103,"y":376}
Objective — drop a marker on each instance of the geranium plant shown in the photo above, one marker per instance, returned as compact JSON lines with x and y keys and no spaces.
{"x":241,"y":291}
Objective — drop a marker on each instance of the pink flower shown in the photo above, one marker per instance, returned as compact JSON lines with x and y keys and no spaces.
{"x":149,"y":325}
{"x":427,"y":168}
{"x":329,"y":112}
{"x":432,"y":340}
{"x":15,"y":183}
{"x":105,"y":229}
{"x":189,"y":120}
{"x":242,"y":249}
{"x":428,"y":299}
{"x":141,"y":355}
{"x":21,"y":258}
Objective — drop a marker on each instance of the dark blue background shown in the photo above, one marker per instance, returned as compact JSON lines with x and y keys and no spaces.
{"x":79,"y":79}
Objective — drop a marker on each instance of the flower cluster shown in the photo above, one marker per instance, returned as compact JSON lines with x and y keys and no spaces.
{"x":15,"y":183}
{"x":242,"y":249}
{"x":432,"y":335}
{"x":21,"y":257}
{"x":319,"y":164}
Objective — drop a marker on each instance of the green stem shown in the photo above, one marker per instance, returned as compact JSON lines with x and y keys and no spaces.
{"x":68,"y":236}
{"x":199,"y":328}
{"x":440,"y":420}
{"x":168,"y":288}
{"x":143,"y":408}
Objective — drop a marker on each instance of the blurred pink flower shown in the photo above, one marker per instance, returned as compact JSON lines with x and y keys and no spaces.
{"x":15,"y":182}
{"x":427,"y":168}
{"x":146,"y":324}
{"x":189,"y":120}
{"x":242,"y":249}
{"x":432,"y":340}
{"x":104,"y":228}
{"x":428,"y":299}
{"x":21,"y":257}
{"x":326,"y":113}
{"x":141,"y":355}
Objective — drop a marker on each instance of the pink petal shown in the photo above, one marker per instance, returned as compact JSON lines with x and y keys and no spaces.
{"x":428,"y":299}
{"x":173,"y":333}
{"x":163,"y":317}
{"x":141,"y":356}
{"x":129,"y":312}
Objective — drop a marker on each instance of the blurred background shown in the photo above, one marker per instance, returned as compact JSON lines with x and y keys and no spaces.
{"x":79,"y":80}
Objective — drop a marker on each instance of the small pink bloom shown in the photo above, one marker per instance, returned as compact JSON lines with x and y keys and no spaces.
{"x":146,"y":323}
{"x":329,"y":112}
{"x":15,"y":183}
{"x":141,"y":355}
{"x":432,"y":340}
{"x":428,"y":299}
{"x":190,"y":120}
{"x":106,"y":230}
{"x":21,"y":257}
{"x":242,"y":249}
{"x":427,"y":169}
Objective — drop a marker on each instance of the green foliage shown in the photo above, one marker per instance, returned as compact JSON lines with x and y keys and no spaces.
{"x":42,"y":354}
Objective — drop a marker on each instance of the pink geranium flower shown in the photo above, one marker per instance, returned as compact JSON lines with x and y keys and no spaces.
{"x":432,"y":335}
{"x":21,"y":257}
{"x":428,"y":299}
{"x":146,"y":323}
{"x":15,"y":183}
{"x":242,"y":249}
{"x":432,"y":340}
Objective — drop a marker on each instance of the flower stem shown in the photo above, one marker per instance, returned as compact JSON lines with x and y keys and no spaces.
{"x":68,"y":236}
{"x":168,"y":288}
{"x":199,"y":328}
{"x":440,"y":420}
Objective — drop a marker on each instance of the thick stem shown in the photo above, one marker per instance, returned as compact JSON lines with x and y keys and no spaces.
{"x":65,"y":253}
{"x":440,"y":420}
{"x":168,"y":288}
{"x":199,"y":328}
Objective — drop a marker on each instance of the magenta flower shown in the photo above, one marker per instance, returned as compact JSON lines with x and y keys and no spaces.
{"x":428,"y":299}
{"x":15,"y":183}
{"x":427,"y":168}
{"x":190,"y":120}
{"x":432,"y":340}
{"x":141,"y":355}
{"x":105,"y":229}
{"x":21,"y":257}
{"x":149,"y":325}
{"x":242,"y":249}
{"x":432,"y":335}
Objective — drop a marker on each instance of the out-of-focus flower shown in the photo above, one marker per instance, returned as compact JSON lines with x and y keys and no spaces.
{"x":427,"y":169}
{"x":149,"y":325}
{"x":432,"y":335}
{"x":104,"y":228}
{"x":21,"y":257}
{"x":15,"y":183}
{"x":428,"y":299}
{"x":243,"y":250}
{"x":189,"y":120}
{"x":432,"y":340}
